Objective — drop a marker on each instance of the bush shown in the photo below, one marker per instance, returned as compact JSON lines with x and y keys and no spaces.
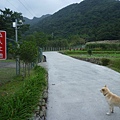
{"x":105,"y":61}
{"x":89,"y":52}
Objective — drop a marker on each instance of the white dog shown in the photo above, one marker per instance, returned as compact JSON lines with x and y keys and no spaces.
{"x":112,"y":99}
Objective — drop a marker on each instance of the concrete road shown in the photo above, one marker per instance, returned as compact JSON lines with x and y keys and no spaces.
{"x":74,"y":89}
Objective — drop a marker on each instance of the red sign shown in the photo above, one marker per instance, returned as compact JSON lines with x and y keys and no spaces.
{"x":3,"y":55}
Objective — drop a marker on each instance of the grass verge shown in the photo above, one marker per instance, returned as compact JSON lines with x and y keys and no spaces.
{"x":115,"y":65}
{"x":19,"y":102}
{"x":98,"y":57}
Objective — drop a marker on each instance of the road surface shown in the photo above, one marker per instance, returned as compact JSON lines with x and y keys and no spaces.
{"x":74,"y":89}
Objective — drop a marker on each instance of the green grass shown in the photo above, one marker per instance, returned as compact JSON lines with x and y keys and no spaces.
{"x":110,"y":56}
{"x":68,"y":52}
{"x":20,"y":97}
{"x":115,"y":64}
{"x":113,"y":56}
{"x":8,"y":60}
{"x":10,"y":87}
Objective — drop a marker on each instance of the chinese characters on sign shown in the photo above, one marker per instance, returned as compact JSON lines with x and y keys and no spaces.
{"x":3,"y":55}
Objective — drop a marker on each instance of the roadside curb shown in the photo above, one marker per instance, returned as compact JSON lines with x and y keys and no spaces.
{"x":40,"y":111}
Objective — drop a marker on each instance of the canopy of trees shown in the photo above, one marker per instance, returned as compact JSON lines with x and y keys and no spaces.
{"x":7,"y":17}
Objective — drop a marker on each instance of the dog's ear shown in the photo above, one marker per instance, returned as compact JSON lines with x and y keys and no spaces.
{"x":105,"y":85}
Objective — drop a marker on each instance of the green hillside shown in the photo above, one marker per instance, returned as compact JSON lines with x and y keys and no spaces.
{"x":90,"y":19}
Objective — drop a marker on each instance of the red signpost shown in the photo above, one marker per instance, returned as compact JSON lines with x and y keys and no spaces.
{"x":3,"y":52}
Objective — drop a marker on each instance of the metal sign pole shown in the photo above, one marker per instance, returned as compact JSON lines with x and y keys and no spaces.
{"x":17,"y":57}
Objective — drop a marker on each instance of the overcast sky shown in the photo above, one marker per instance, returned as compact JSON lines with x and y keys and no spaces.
{"x":36,"y":8}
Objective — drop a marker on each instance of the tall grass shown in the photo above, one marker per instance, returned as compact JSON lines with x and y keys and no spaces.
{"x":115,"y":64}
{"x":21,"y":104}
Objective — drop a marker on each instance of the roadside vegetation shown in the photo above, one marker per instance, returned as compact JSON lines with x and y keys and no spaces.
{"x":107,"y":58}
{"x":107,"y":54}
{"x":19,"y":94}
{"x":19,"y":98}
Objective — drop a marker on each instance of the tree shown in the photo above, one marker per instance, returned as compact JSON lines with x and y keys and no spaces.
{"x":76,"y":40}
{"x":86,"y":19}
{"x":40,"y":39}
{"x":28,"y":53}
{"x":7,"y":17}
{"x":13,"y":49}
{"x":57,"y":43}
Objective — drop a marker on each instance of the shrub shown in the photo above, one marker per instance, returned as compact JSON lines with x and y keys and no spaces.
{"x":105,"y":61}
{"x":89,"y":52}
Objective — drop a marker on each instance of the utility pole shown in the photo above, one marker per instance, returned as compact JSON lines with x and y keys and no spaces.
{"x":15,"y":25}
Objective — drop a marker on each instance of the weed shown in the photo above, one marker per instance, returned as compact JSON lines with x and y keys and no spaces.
{"x":105,"y":61}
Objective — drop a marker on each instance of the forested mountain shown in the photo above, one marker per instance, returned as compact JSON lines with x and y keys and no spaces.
{"x":35,"y":20}
{"x":90,"y":19}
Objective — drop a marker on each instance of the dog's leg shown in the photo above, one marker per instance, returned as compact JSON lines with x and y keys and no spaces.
{"x":111,"y":110}
{"x":108,"y":113}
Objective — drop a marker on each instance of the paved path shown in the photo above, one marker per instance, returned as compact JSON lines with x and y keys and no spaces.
{"x":74,"y":89}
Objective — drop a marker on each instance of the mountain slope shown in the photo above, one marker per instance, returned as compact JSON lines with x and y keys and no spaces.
{"x":91,"y":19}
{"x":35,"y":20}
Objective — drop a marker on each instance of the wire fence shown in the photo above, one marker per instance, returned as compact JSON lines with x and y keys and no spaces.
{"x":7,"y":71}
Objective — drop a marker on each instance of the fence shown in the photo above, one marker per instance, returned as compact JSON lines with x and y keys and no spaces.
{"x":7,"y":71}
{"x":63,"y":48}
{"x":54,"y":48}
